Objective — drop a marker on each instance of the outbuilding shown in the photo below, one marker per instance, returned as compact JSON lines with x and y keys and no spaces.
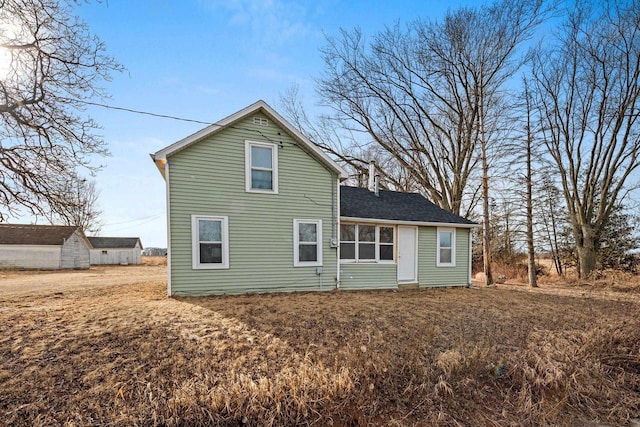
{"x":115,"y":250}
{"x":43,"y":247}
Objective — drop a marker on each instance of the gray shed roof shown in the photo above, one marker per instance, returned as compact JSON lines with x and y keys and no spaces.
{"x":114,"y":242}
{"x":358,"y":202}
{"x":29,"y":234}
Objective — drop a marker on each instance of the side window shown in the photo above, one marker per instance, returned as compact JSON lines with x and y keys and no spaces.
{"x":307,"y":249}
{"x":387,"y":251}
{"x":261,"y":167}
{"x":366,"y":242}
{"x":446,"y":247}
{"x":210,"y":241}
{"x":348,"y":241}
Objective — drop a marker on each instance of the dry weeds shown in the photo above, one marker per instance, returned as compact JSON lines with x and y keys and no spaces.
{"x":154,"y":260}
{"x":124,"y":354}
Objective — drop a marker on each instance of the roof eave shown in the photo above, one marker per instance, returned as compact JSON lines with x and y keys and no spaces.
{"x":159,"y":164}
{"x":160,"y":157}
{"x":404,"y":222}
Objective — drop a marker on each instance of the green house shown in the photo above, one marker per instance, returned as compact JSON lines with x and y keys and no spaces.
{"x":255,"y":206}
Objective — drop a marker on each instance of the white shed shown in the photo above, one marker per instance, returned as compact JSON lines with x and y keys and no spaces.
{"x":115,"y":250}
{"x":43,"y":247}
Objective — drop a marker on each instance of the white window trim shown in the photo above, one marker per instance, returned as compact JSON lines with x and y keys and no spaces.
{"x":247,"y":166}
{"x":378,"y":244}
{"x":296,"y":243}
{"x":354,"y":241}
{"x":377,"y":259}
{"x":453,"y":247}
{"x":375,"y":245}
{"x":195,"y":243}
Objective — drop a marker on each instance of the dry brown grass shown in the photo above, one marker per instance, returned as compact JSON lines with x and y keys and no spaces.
{"x":125,"y":354}
{"x":153,"y":260}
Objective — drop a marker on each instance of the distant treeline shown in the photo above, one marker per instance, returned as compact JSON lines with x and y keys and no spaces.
{"x":154,"y":252}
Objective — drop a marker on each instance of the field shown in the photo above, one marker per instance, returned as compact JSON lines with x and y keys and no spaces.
{"x":107,"y":347}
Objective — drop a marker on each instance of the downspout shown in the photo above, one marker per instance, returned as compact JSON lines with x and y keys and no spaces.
{"x":336,"y":235}
{"x":470,"y":255}
{"x":166,"y":175}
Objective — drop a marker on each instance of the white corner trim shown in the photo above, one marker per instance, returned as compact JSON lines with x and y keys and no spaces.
{"x":453,"y":247}
{"x":195,"y":243}
{"x":168,"y":199}
{"x":296,"y":243}
{"x":337,"y":236}
{"x":470,"y":257}
{"x":247,"y":166}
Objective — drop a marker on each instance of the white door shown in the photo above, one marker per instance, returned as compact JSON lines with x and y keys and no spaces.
{"x":407,"y":254}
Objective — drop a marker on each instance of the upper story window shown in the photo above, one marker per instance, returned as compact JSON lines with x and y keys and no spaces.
{"x":210,"y":241}
{"x":261,"y":167}
{"x":446,"y":247}
{"x":367,"y":243}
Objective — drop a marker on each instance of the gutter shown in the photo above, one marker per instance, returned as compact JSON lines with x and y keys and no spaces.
{"x":414,"y":223}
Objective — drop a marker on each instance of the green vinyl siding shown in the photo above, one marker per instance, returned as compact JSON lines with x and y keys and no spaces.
{"x":384,"y":275}
{"x":429,"y":274}
{"x":368,"y":276}
{"x":208,"y":178}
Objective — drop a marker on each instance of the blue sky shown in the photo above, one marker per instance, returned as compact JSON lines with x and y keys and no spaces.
{"x":205,"y":60}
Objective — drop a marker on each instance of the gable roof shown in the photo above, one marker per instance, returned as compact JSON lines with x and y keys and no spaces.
{"x":114,"y":242}
{"x":160,"y":157}
{"x":395,"y":206}
{"x":28,"y":234}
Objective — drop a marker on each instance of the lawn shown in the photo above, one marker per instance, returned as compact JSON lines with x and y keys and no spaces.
{"x":117,"y":351}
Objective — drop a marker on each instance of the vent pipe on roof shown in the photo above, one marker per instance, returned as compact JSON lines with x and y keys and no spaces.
{"x":372,"y":171}
{"x":377,"y":185}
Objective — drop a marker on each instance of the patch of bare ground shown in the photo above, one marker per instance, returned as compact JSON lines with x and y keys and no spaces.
{"x":122,"y":353}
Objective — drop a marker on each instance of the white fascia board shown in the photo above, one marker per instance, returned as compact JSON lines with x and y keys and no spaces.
{"x":161,"y":155}
{"x":399,"y":222}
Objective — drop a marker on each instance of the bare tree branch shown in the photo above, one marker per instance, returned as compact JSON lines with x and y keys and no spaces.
{"x":54,"y":63}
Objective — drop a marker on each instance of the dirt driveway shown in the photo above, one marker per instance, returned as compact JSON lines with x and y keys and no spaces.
{"x":15,"y":283}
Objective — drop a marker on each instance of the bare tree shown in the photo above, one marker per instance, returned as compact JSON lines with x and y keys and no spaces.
{"x":587,"y":89}
{"x":531,"y":255}
{"x":49,"y":65}
{"x":335,"y":137}
{"x":78,"y":205}
{"x":552,"y":216}
{"x":430,"y":94}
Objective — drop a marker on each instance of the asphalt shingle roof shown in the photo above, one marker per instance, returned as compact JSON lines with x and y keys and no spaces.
{"x":358,"y":202}
{"x":114,"y":242}
{"x":27,"y":234}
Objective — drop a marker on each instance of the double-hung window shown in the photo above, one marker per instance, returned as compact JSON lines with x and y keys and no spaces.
{"x":446,"y":247}
{"x":210,"y":241}
{"x":367,"y":243}
{"x":386,"y":243}
{"x":261,"y":167}
{"x":307,"y":242}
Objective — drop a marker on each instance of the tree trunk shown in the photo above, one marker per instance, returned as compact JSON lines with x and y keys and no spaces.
{"x":533,"y":282}
{"x":531,"y":255}
{"x":586,"y":248}
{"x":486,"y":236}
